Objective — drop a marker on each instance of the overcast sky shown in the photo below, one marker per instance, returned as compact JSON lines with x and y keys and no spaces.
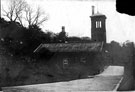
{"x":74,"y":15}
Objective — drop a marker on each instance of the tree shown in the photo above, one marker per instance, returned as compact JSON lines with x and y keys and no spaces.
{"x":20,"y":11}
{"x":62,"y":36}
{"x":15,"y":9}
{"x":34,"y":18}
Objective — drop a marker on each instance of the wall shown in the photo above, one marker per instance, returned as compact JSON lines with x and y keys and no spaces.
{"x":94,"y":63}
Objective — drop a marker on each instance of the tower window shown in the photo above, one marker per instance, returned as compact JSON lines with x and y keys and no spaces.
{"x":98,"y":24}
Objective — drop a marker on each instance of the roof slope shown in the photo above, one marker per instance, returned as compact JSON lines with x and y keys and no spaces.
{"x":98,"y":15}
{"x":70,"y":47}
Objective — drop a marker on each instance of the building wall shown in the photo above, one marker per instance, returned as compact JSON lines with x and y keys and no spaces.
{"x":73,"y":57}
{"x":87,"y":63}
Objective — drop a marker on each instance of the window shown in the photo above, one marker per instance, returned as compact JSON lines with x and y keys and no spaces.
{"x":65,"y":62}
{"x":98,"y":24}
{"x":83,"y":60}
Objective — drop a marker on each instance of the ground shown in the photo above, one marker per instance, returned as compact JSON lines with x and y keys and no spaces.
{"x":108,"y":80}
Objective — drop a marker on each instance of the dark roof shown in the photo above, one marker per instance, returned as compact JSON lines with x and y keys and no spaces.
{"x":70,"y":47}
{"x":98,"y":15}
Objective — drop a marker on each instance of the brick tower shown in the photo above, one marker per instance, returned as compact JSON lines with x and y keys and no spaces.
{"x":98,"y":26}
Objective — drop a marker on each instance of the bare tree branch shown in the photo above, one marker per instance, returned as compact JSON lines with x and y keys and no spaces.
{"x":35,"y":18}
{"x":20,"y":20}
{"x":29,"y":11}
{"x":19,"y":11}
{"x":15,"y":10}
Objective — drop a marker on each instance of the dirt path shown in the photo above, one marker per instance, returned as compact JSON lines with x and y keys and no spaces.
{"x":106,"y":81}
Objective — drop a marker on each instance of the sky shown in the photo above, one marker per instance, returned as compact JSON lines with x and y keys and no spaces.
{"x":75,"y":16}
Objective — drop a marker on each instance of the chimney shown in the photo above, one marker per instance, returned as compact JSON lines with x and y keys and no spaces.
{"x":63,"y":28}
{"x":93,"y":9}
{"x":0,"y":8}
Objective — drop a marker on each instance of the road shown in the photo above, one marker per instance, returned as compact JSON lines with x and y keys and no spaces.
{"x":106,"y":81}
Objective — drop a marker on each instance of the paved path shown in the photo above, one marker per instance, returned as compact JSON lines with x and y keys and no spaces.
{"x":113,"y":71}
{"x":107,"y":81}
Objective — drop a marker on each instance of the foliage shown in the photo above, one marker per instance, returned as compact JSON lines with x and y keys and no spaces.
{"x":120,"y":53}
{"x":20,"y":40}
{"x":78,"y":39}
{"x":62,"y":37}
